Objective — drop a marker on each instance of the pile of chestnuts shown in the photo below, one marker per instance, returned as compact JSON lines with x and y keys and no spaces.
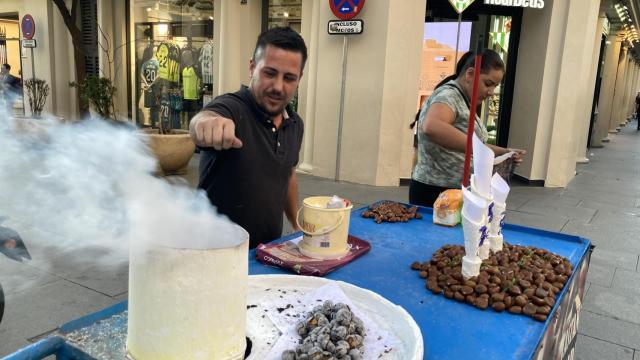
{"x":388,"y":211}
{"x":519,"y":279}
{"x":330,"y":331}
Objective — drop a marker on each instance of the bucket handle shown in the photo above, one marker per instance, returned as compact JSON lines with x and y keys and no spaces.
{"x":317,"y":233}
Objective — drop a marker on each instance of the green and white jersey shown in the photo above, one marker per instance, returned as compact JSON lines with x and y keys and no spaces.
{"x":206,"y":63}
{"x":148,"y":75}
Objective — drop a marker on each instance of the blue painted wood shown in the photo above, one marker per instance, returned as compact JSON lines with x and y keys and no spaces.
{"x":450,"y":330}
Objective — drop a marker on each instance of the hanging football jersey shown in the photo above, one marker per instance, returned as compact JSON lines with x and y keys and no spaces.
{"x":165,"y":110}
{"x":176,"y":108}
{"x":149,"y":73}
{"x":162,"y":54}
{"x":190,"y":83}
{"x":168,"y":56}
{"x":174,"y":63}
{"x":206,"y":63}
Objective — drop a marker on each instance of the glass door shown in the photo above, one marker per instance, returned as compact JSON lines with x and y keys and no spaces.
{"x":498,"y":29}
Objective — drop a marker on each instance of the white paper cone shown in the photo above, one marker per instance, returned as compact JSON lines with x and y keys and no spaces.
{"x":499,"y":189}
{"x":470,"y":266}
{"x":496,"y":242}
{"x":498,"y":212}
{"x":483,"y":158}
{"x":485,"y":250}
{"x":473,"y":235}
{"x":473,"y":206}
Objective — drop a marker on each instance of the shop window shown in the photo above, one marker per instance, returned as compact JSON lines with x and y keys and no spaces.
{"x":173,"y":60}
{"x":498,"y":41}
{"x":490,"y":24}
{"x":285,"y":13}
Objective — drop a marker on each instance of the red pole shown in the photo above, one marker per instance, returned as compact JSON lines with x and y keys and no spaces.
{"x":472,"y":120}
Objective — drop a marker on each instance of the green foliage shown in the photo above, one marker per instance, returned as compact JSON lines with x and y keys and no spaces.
{"x":99,"y":92}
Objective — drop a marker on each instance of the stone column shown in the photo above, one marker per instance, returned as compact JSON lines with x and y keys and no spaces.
{"x":236,"y":28}
{"x":628,"y":77}
{"x":311,"y":30}
{"x":587,"y":96}
{"x":618,"y":92}
{"x":573,"y":89}
{"x":383,"y":70}
{"x":607,"y":89}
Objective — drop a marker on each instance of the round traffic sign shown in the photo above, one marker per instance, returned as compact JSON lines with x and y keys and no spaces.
{"x":346,"y":9}
{"x":28,"y":27}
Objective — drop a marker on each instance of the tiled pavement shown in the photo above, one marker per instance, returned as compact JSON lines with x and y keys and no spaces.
{"x":602,"y":203}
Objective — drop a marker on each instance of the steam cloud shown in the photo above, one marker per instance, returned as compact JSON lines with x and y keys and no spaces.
{"x":91,"y":183}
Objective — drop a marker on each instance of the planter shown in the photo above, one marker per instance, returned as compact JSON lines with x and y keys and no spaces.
{"x":173,"y":151}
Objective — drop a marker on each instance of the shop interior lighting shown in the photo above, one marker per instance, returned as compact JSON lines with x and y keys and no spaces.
{"x":163,"y":29}
{"x":286,"y":14}
{"x":210,"y":17}
{"x":148,"y":9}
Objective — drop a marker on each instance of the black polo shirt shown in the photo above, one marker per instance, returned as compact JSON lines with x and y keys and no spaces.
{"x":249,"y":184}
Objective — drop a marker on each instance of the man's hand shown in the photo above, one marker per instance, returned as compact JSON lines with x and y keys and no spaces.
{"x":209,"y":129}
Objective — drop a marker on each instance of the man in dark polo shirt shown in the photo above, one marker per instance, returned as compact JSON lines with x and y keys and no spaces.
{"x":250,"y":140}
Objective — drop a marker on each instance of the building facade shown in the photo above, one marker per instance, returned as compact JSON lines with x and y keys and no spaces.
{"x":572,"y":72}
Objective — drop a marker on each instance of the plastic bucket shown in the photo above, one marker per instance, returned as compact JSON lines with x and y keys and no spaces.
{"x":325,"y":230}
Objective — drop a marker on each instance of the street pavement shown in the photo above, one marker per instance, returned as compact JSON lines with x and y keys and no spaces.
{"x":602,"y":203}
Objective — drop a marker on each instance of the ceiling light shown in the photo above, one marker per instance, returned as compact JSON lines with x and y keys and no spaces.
{"x":286,"y":14}
{"x":148,"y":9}
{"x":163,"y":29}
{"x":210,"y":17}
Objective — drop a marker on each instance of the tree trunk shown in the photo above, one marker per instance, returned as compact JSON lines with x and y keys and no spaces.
{"x":79,"y":52}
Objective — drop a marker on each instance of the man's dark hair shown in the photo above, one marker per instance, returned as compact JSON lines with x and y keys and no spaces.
{"x":281,"y":37}
{"x":7,"y":66}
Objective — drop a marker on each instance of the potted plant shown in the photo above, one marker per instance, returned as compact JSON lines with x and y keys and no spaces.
{"x":171,"y":145}
{"x":99,"y":93}
{"x":37,"y":92}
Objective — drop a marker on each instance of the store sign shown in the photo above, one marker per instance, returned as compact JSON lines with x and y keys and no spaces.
{"x":29,"y":43}
{"x":345,"y":27}
{"x":534,"y":4}
{"x":460,"y":5}
{"x":28,"y":27}
{"x":346,"y":9}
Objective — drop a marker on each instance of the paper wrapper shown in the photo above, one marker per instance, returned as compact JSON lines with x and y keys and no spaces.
{"x":287,"y":256}
{"x":447,"y":207}
{"x":377,"y":343}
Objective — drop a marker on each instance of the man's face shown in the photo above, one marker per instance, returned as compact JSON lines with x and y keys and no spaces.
{"x":4,"y":70}
{"x":274,"y":78}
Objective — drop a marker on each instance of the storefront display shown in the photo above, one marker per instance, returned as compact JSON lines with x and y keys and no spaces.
{"x":173,"y":61}
{"x":498,"y":29}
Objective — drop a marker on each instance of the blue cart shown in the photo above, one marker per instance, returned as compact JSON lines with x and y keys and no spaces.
{"x":445,"y":324}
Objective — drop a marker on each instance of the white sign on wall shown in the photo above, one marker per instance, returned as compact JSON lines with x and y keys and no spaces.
{"x":534,"y":4}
